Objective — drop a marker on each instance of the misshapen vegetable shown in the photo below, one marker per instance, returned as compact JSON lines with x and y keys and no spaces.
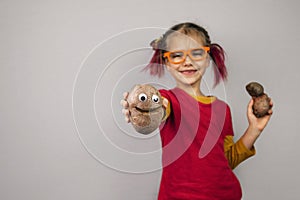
{"x":145,"y":107}
{"x":261,"y":104}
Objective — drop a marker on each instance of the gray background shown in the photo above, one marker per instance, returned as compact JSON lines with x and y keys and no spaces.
{"x":59,"y":95}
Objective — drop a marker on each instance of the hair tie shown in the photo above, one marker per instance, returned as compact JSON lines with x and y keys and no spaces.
{"x":155,"y":43}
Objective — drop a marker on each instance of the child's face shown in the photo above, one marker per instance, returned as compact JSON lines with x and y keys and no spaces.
{"x":188,"y":72}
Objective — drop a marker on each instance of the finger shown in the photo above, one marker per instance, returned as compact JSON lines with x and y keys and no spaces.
{"x":125,"y":95}
{"x":270,"y":112}
{"x":125,"y":112}
{"x":127,"y":115}
{"x":124,"y":103}
{"x":127,"y":119}
{"x":250,"y":104}
{"x":271,"y":103}
{"x":266,"y":119}
{"x":165,"y":102}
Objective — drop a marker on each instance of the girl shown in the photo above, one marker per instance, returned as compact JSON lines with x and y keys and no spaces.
{"x":199,"y":152}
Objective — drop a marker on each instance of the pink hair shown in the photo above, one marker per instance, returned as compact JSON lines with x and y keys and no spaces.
{"x":217,"y":54}
{"x":156,"y":65}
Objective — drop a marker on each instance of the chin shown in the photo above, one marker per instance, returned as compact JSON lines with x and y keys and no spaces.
{"x":191,"y":81}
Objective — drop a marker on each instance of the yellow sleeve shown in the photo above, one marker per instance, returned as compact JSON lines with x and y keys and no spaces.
{"x":236,"y":152}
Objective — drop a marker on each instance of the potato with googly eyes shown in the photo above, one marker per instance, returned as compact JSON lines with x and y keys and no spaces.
{"x":145,"y":108}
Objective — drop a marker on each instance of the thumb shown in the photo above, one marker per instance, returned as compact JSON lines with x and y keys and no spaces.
{"x":251,"y":102}
{"x":250,"y":109}
{"x":125,"y":95}
{"x":165,"y":102}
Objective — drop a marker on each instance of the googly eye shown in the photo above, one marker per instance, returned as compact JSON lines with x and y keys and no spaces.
{"x":142,"y":97}
{"x":155,"y":98}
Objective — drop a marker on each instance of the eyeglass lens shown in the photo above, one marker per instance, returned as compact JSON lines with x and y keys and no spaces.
{"x":195,"y":54}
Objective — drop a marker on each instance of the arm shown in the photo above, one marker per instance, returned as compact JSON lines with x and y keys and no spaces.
{"x":236,"y":152}
{"x":244,"y":147}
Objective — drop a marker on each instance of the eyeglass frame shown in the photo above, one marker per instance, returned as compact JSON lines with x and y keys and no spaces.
{"x":185,"y":53}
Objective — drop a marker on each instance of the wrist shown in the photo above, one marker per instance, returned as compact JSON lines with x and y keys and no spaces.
{"x":250,"y":136}
{"x":253,"y":131}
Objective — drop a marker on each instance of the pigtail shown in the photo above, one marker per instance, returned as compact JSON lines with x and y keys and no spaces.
{"x":156,"y":65}
{"x":217,"y":54}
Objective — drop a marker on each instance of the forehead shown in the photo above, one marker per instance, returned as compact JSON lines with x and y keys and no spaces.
{"x":179,"y":41}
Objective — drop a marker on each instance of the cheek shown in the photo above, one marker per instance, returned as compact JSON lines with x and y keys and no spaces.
{"x":203,"y":63}
{"x":208,"y":59}
{"x":171,"y":66}
{"x":171,"y":69}
{"x":207,"y":62}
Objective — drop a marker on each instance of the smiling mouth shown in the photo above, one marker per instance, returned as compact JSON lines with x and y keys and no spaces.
{"x":188,"y":72}
{"x":146,"y":110}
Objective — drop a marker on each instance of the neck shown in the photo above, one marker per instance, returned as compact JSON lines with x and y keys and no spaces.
{"x":193,"y":90}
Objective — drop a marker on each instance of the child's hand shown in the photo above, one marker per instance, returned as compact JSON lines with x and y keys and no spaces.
{"x":125,"y":105}
{"x":165,"y":103}
{"x":258,"y":124}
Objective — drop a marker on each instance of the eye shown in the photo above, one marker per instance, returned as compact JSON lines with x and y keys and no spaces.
{"x":155,"y":98}
{"x":142,"y":97}
{"x":198,"y":52}
{"x":177,"y":54}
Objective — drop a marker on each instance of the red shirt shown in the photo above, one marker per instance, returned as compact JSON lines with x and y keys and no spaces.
{"x":193,"y":159}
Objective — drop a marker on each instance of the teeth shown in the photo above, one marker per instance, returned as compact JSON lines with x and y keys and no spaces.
{"x":188,"y":71}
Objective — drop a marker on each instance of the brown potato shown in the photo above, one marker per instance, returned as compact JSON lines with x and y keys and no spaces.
{"x":261,"y":104}
{"x":145,"y":107}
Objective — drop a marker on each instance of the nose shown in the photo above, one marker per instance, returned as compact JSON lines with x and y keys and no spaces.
{"x":187,"y":60}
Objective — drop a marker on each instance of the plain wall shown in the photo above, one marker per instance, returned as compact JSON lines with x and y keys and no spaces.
{"x":63,"y":68}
